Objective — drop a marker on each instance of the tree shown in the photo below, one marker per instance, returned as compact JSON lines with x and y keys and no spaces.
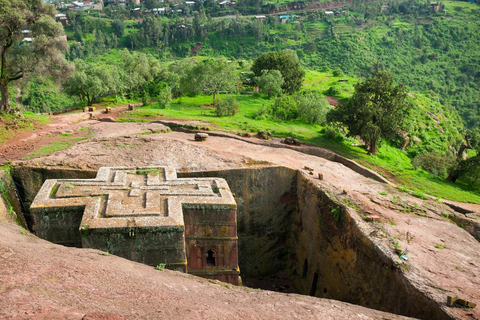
{"x":118,"y":26}
{"x":287,"y":63}
{"x":468,"y":168}
{"x":313,"y":107}
{"x":270,"y":82}
{"x":213,"y":76}
{"x":376,"y":109}
{"x":42,"y":52}
{"x":92,"y":81}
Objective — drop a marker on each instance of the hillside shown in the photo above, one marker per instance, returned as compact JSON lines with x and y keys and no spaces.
{"x":427,"y":50}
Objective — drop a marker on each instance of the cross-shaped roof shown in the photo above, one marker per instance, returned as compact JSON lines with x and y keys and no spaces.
{"x":133,"y":197}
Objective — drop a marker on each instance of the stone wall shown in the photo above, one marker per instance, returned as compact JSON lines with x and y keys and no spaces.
{"x":29,"y":180}
{"x":265,"y":207}
{"x":290,"y":225}
{"x":336,"y":259}
{"x":10,"y":208}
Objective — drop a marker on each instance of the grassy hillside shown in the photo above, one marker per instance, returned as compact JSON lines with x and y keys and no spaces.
{"x":435,"y":53}
{"x":427,"y":50}
{"x":434,"y":126}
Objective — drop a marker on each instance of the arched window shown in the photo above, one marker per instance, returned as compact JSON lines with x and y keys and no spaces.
{"x":211,"y":258}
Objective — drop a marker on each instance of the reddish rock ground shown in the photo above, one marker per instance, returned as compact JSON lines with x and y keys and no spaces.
{"x":444,"y":259}
{"x":41,"y":280}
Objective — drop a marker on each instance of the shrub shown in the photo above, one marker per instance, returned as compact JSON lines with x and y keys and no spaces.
{"x":285,"y":108}
{"x":332,"y":133}
{"x":313,"y":108}
{"x":227,"y":107}
{"x":164,"y":97}
{"x":337,"y":72}
{"x":332,"y":91}
{"x":261,"y":113}
{"x":435,"y":163}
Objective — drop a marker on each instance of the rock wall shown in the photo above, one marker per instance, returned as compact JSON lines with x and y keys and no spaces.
{"x":265,"y":207}
{"x":288,"y":224}
{"x":10,"y":208}
{"x":29,"y":180}
{"x":336,"y":258}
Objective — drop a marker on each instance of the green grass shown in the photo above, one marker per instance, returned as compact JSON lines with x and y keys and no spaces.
{"x":390,"y":162}
{"x":190,"y":108}
{"x":66,"y":142}
{"x":8,"y":129}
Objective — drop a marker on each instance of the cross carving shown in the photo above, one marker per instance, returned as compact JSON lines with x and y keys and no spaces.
{"x":133,"y":197}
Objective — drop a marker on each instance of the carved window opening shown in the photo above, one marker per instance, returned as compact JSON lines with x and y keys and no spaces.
{"x":211,"y":257}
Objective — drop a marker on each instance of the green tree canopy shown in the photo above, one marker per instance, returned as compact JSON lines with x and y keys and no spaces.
{"x":376,"y":109}
{"x":270,"y":82}
{"x":212,"y":76}
{"x":466,"y":168}
{"x":30,"y":40}
{"x":287,"y":63}
{"x":92,"y":81}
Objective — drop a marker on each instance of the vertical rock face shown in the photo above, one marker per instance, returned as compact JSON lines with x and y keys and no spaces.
{"x":146,"y":215}
{"x":290,"y":227}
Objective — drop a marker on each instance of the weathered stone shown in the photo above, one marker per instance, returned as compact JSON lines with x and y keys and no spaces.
{"x":200,"y":136}
{"x":465,"y":303}
{"x":291,"y":141}
{"x":108,"y":110}
{"x":132,"y":106}
{"x":373,"y":218}
{"x":91,"y":109}
{"x":320,"y":176}
{"x":451,"y":300}
{"x":85,"y":109}
{"x":262,"y":135}
{"x":107,"y":119}
{"x":145,"y":215}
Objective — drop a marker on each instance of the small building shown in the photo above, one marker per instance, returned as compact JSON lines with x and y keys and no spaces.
{"x":190,"y":3}
{"x":329,"y":13}
{"x":78,"y":4}
{"x":136,"y":12}
{"x":435,"y":6}
{"x":158,"y":11}
{"x":383,"y":8}
{"x":97,"y":6}
{"x":260,"y":17}
{"x":284,"y":18}
{"x":62,"y":18}
{"x":224,"y":3}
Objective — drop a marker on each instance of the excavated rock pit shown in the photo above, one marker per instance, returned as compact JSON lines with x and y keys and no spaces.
{"x":293,"y":237}
{"x":332,"y":237}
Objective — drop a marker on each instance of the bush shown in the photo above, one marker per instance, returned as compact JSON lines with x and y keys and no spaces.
{"x":332,"y":91}
{"x":227,"y":107}
{"x":313,"y":108}
{"x":164,"y":97}
{"x":337,"y":72}
{"x":332,"y":133}
{"x":285,"y":108}
{"x":261,"y":113}
{"x":435,"y":163}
